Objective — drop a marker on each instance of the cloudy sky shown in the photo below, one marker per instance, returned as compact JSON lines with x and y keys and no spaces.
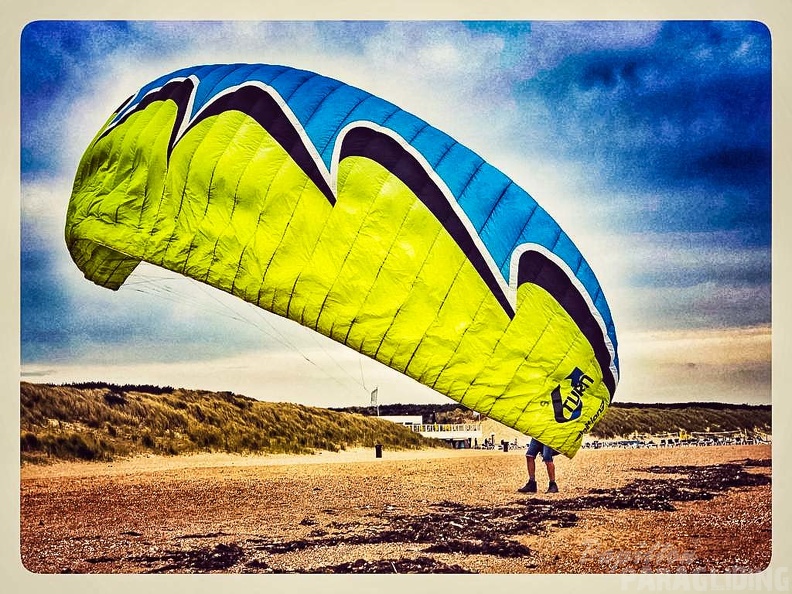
{"x":649,"y":142}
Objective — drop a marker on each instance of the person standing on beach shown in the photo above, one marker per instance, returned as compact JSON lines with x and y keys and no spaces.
{"x":534,"y":448}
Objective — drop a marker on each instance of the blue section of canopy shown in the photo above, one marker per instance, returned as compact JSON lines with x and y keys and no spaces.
{"x":503,"y":214}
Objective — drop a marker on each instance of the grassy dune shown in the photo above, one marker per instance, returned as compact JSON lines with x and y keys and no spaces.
{"x":625,"y":419}
{"x":102,"y":422}
{"x":622,"y":419}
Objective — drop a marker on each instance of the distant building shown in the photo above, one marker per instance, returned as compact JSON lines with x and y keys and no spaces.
{"x":460,"y":435}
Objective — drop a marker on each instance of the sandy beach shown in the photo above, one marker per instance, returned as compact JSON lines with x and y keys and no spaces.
{"x":705,"y":509}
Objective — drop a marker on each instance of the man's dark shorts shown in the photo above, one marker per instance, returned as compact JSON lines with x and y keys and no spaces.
{"x":536,"y":446}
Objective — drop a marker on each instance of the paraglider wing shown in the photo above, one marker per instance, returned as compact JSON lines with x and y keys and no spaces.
{"x":327,"y":205}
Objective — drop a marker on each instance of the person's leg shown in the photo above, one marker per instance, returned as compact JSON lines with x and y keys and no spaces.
{"x":547,"y":456}
{"x":550,"y":470}
{"x":531,"y":461}
{"x":530,"y":458}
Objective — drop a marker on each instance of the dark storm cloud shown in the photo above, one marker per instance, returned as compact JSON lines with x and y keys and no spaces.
{"x":56,"y":65}
{"x":686,"y":118}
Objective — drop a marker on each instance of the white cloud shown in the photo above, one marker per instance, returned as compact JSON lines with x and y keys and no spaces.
{"x":730,"y":365}
{"x":550,"y":42}
{"x":723,"y":365}
{"x":329,"y":375}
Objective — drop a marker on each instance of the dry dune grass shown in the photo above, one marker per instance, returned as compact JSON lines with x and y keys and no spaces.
{"x":428,"y":511}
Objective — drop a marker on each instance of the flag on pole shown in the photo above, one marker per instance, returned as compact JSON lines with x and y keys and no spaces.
{"x":374,"y":397}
